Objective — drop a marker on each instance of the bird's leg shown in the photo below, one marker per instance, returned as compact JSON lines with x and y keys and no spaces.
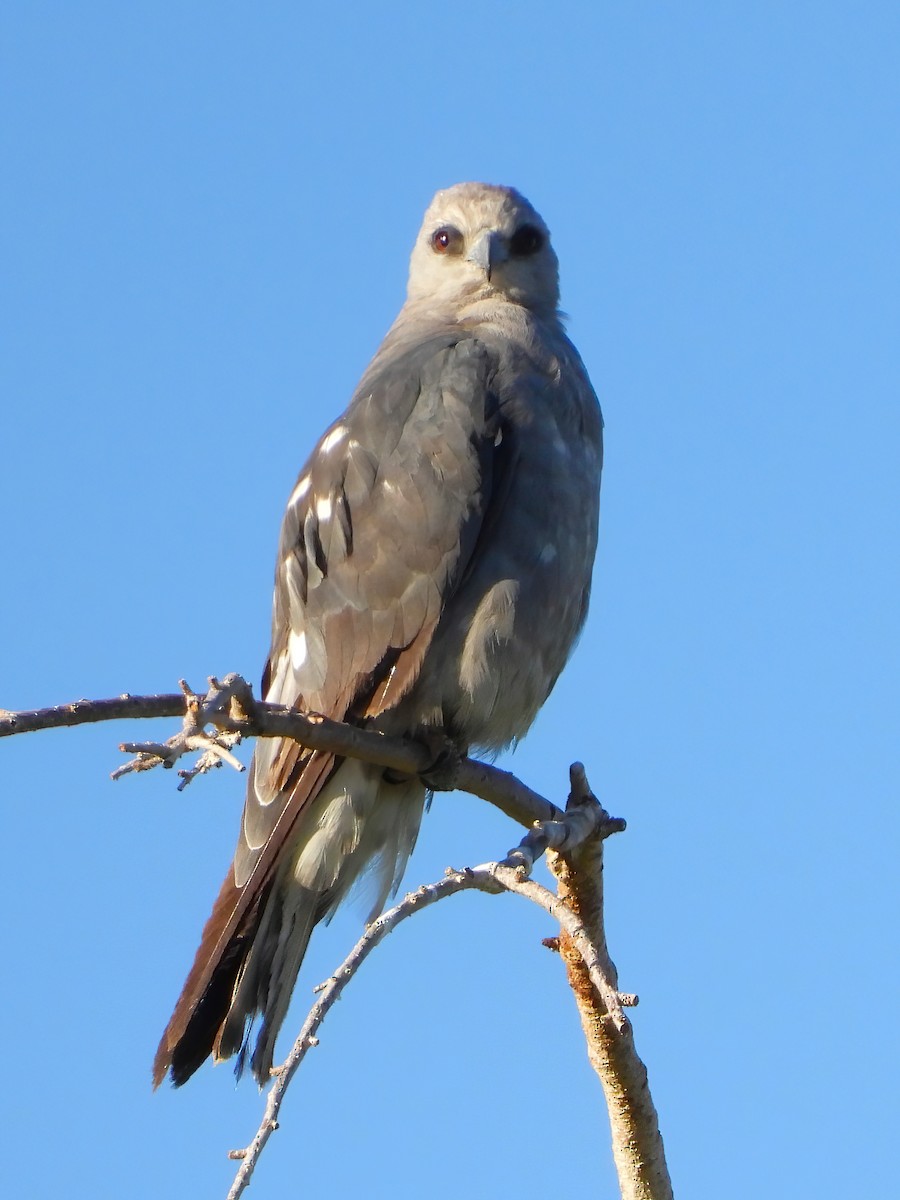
{"x":447,"y":755}
{"x":444,"y":758}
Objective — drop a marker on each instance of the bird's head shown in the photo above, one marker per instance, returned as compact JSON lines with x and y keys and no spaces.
{"x":479,"y":240}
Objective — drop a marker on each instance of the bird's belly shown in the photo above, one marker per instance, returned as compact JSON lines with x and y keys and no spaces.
{"x":506,"y":635}
{"x":509,"y":666}
{"x":509,"y":626}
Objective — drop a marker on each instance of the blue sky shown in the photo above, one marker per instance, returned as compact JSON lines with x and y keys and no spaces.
{"x":206,"y":218}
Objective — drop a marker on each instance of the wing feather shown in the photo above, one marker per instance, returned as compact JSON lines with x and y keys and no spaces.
{"x":378,"y":531}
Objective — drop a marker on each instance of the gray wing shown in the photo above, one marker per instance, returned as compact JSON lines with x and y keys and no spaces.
{"x":378,"y":529}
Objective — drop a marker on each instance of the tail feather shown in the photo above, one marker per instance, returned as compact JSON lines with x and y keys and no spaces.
{"x":189,"y":1037}
{"x":358,"y":821}
{"x":300,"y":919}
{"x":266,"y":977}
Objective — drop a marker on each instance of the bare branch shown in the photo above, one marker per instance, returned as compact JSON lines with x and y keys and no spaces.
{"x":229,"y":706}
{"x":88,"y":712}
{"x":563,"y":835}
{"x":636,"y":1140}
{"x":490,"y":877}
{"x":574,"y":837}
{"x":217,"y":752}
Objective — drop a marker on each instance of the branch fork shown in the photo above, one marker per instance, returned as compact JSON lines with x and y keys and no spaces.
{"x":231,"y":698}
{"x":572,"y":838}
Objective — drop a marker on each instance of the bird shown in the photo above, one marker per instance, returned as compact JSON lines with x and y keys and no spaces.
{"x":433,"y":575}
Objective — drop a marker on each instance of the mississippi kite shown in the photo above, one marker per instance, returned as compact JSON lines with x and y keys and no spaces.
{"x":433,"y":572}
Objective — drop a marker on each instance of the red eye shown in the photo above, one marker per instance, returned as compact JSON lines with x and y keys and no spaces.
{"x":446,"y":240}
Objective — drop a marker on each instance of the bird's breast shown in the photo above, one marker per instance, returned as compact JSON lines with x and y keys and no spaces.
{"x":506,"y":633}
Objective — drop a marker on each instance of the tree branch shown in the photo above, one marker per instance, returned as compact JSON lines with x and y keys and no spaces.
{"x":574,"y":837}
{"x":490,"y":877}
{"x":636,"y":1140}
{"x":229,"y":707}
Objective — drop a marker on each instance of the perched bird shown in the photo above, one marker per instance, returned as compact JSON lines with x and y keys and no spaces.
{"x":433,"y":573}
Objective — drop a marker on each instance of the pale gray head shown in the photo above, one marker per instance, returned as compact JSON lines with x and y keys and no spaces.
{"x":479,"y":241}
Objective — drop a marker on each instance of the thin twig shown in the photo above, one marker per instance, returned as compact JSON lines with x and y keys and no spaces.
{"x":490,"y":877}
{"x":575,"y":835}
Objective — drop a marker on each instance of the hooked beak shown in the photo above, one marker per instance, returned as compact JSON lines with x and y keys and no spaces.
{"x":487,"y":253}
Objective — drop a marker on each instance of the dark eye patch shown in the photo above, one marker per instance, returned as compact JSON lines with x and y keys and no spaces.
{"x":526,"y":241}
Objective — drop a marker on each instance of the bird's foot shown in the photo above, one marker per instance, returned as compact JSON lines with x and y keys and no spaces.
{"x":443,"y":772}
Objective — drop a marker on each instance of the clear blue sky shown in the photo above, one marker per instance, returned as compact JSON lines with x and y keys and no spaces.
{"x":206,"y":215}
